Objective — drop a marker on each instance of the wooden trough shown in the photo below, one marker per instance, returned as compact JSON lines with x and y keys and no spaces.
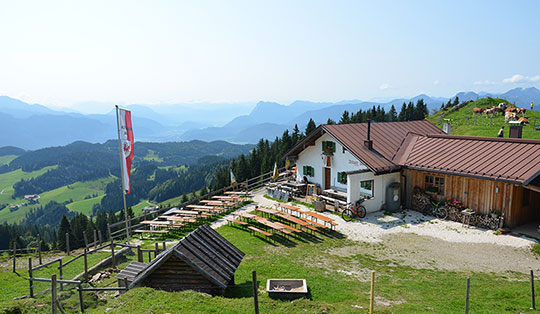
{"x":286,"y":288}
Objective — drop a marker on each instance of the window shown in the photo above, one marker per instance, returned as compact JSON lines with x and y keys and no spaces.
{"x":342,"y":177}
{"x":434,"y":184}
{"x":366,"y":188}
{"x":328,"y":146}
{"x":309,"y":171}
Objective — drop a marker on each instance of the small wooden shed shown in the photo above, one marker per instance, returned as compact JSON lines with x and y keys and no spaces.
{"x":202,"y":261}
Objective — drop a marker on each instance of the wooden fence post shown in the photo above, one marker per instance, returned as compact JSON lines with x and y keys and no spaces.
{"x":53,"y":293}
{"x":85,"y":265}
{"x":156,"y":250}
{"x":149,"y":256}
{"x":533,"y":305}
{"x":139,"y":254}
{"x":61,"y":274}
{"x":112,"y":253}
{"x":39,"y":250}
{"x":255,"y":291}
{"x":80,"y":298}
{"x":100,"y":237}
{"x":14,"y":254}
{"x":95,"y":239}
{"x":372,"y":292}
{"x":30,"y":277}
{"x":164,"y":246}
{"x":467,"y":296}
{"x":67,"y":243}
{"x":85,"y":239}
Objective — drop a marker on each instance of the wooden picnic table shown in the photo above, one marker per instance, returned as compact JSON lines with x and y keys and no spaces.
{"x":336,"y":193}
{"x":225,"y":198}
{"x":201,"y":207}
{"x":288,"y":207}
{"x":245,"y":215}
{"x":237,"y":193}
{"x":176,"y":218}
{"x":156,"y":222}
{"x":184,"y":212}
{"x":267,"y":210}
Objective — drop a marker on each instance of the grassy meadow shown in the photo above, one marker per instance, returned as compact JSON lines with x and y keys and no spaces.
{"x":338,"y":283}
{"x":464,"y":123}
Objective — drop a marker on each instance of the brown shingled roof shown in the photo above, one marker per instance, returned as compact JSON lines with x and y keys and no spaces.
{"x":386,"y":136}
{"x":504,"y":159}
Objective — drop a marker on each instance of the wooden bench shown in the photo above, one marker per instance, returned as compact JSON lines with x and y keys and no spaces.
{"x":260,"y":231}
{"x":150,"y":231}
{"x":313,"y":222}
{"x":243,"y":223}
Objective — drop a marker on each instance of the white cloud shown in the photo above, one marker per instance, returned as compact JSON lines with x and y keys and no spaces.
{"x":436,"y":82}
{"x":384,"y":86}
{"x":484,"y":82}
{"x":518,"y":78}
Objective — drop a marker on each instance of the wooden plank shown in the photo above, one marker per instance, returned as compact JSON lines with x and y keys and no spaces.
{"x":150,"y":231}
{"x":260,"y":231}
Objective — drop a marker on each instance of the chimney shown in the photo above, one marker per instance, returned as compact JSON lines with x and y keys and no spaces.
{"x":368,"y":143}
{"x":515,"y":131}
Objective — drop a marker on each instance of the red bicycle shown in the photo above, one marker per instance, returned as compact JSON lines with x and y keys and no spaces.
{"x":356,"y":210}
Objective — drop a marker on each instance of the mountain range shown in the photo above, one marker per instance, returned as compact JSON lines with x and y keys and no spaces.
{"x":33,"y":126}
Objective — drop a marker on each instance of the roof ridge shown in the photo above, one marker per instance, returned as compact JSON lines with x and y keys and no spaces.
{"x":485,"y":138}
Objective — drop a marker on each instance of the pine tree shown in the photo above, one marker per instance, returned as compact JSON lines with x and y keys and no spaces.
{"x":310,"y":126}
{"x":403,"y":113}
{"x":345,"y":118}
{"x":330,"y":121}
{"x":392,"y":114}
{"x":62,"y":230}
{"x":295,"y":137}
{"x":456,"y":101}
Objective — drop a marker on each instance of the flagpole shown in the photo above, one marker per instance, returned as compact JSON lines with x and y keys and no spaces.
{"x":122,"y":173}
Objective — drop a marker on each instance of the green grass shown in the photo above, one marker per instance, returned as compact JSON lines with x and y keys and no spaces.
{"x":76,"y":192}
{"x":463,"y":122}
{"x":153,"y":157}
{"x":6,"y":159}
{"x":402,"y":289}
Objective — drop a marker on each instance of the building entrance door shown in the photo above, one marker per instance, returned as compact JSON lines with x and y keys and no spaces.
{"x":327,"y":178}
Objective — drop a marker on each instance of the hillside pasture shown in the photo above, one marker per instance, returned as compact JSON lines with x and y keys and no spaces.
{"x":76,"y":192}
{"x":465,"y":123}
{"x":6,"y":159}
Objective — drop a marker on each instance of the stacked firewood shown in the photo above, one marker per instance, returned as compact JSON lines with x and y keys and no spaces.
{"x":422,"y":202}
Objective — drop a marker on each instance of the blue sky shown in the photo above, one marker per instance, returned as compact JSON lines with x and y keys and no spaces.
{"x":63,"y":53}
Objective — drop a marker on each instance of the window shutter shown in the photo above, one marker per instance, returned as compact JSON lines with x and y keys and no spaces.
{"x":333,"y":147}
{"x":339,"y":177}
{"x":323,"y":146}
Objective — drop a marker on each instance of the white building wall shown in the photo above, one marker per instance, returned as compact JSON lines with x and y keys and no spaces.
{"x":380,"y":183}
{"x":341,"y":161}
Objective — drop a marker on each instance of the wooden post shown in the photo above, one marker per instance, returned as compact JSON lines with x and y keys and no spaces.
{"x":112,"y":253}
{"x":467,"y":296}
{"x":80,"y":298}
{"x":156,"y":250}
{"x":67,"y":243}
{"x":139,"y":254}
{"x":61,"y":274}
{"x":95,"y":239}
{"x":126,"y":284}
{"x":14,"y":254}
{"x":164,"y":246}
{"x":85,"y":264}
{"x":255,"y":291}
{"x":533,"y":305}
{"x":100,"y":237}
{"x":30,"y":277}
{"x":85,"y":239}
{"x":53,"y":293}
{"x":149,"y":256}
{"x":39,"y":250}
{"x":372,"y":293}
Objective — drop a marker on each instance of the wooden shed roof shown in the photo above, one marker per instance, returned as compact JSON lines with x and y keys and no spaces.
{"x":206,"y":251}
{"x":504,"y":159}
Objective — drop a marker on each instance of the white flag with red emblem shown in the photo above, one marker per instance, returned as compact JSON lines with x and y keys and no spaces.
{"x":125,"y":134}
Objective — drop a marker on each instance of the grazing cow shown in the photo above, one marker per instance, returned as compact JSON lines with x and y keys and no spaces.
{"x":523,"y":120}
{"x":498,"y":110}
{"x":477,"y":111}
{"x":511,"y":109}
{"x":502,"y":106}
{"x":489,"y":111}
{"x":510,"y":116}
{"x":521,"y":110}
